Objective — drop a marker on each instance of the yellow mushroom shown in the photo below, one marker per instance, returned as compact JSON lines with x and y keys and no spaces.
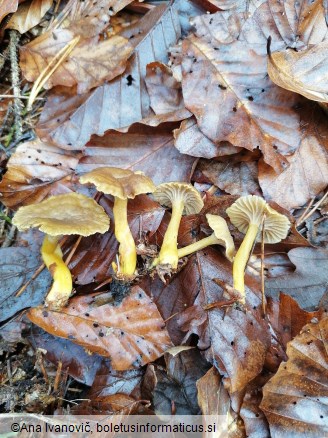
{"x":66,"y":214}
{"x":122,"y":184}
{"x":220,"y":236}
{"x":246,"y":214}
{"x":182,"y":198}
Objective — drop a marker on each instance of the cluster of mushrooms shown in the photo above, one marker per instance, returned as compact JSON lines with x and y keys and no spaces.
{"x":74,"y":213}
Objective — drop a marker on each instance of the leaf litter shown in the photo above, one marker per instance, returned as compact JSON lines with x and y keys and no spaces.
{"x":226,"y":101}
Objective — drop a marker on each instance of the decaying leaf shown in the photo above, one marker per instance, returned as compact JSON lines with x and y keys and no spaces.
{"x":7,"y":7}
{"x":131,"y":333}
{"x":38,"y":169}
{"x":16,"y":269}
{"x":295,"y":399}
{"x":306,"y":176}
{"x":78,"y":363}
{"x":236,"y":178}
{"x":90,"y":64}
{"x":29,"y":15}
{"x":176,"y":385}
{"x":72,"y":119}
{"x":309,"y":281}
{"x":190,"y":140}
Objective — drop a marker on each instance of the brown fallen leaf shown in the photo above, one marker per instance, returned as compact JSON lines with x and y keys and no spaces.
{"x":7,"y":7}
{"x":175,"y":385}
{"x":90,"y":64}
{"x":88,"y":18}
{"x":190,"y":140}
{"x":70,"y":119}
{"x":78,"y":363}
{"x":109,"y":382}
{"x":235,"y":100}
{"x":29,"y":15}
{"x":236,"y":178}
{"x":38,"y":169}
{"x":294,"y":400}
{"x":305,"y":177}
{"x":309,"y":281}
{"x":131,"y":333}
{"x":35,"y":171}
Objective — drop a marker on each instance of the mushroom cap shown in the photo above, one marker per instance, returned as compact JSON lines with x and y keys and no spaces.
{"x":250,"y":210}
{"x":167,"y":193}
{"x":70,"y":213}
{"x":222,"y":233}
{"x":121,"y":183}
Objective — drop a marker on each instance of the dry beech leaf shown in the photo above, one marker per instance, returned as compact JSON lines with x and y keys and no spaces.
{"x":190,"y":140}
{"x":236,"y":178}
{"x":29,"y":15}
{"x":131,"y":333}
{"x":303,"y":72}
{"x":69,"y":119}
{"x":287,"y":320}
{"x":89,"y":64}
{"x":306,"y":176}
{"x":89,"y":18}
{"x":114,"y":408}
{"x":234,"y":98}
{"x":295,"y":399}
{"x":16,"y":269}
{"x":164,"y":90}
{"x":78,"y":363}
{"x":309,"y":281}
{"x":38,"y":169}
{"x":177,"y":383}
{"x":7,"y":7}
{"x":108,"y":382}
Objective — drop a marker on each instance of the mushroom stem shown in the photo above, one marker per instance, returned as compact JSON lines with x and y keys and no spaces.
{"x":241,"y":259}
{"x":197,"y":246}
{"x":61,"y":288}
{"x":127,"y":249}
{"x":169,"y":250}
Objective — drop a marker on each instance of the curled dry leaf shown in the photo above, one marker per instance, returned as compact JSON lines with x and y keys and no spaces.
{"x":190,"y":140}
{"x":295,"y":399}
{"x":309,"y":281}
{"x":69,"y":119}
{"x":131,"y":333}
{"x":90,"y":64}
{"x":29,"y":15}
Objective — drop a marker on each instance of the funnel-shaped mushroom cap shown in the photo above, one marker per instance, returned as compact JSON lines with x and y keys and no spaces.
{"x":166,"y":194}
{"x":222,"y":233}
{"x":121,"y":183}
{"x":250,"y":210}
{"x":71,"y":213}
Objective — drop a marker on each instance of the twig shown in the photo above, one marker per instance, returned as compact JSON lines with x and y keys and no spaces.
{"x":18,"y":106}
{"x":262,"y":269}
{"x":72,"y":252}
{"x":317,"y":205}
{"x":10,"y":237}
{"x":50,"y":69}
{"x":300,"y":220}
{"x":9,"y":96}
